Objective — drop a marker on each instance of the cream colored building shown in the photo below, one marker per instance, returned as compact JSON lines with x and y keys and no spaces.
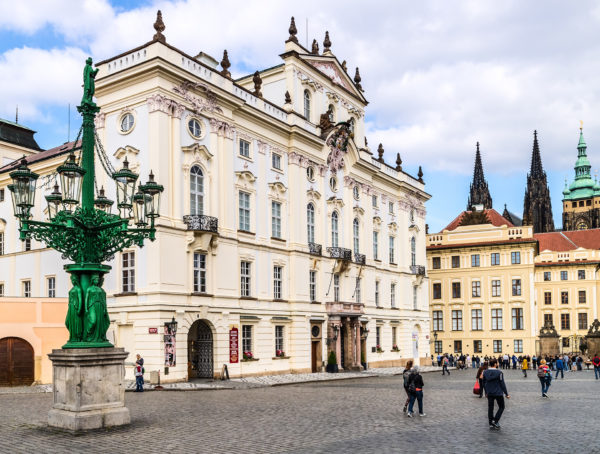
{"x":271,"y":223}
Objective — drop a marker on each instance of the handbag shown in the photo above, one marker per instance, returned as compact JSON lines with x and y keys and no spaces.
{"x":476,"y":388}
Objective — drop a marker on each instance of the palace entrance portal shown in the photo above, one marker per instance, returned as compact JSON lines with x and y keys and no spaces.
{"x":16,"y":362}
{"x":200,"y":351}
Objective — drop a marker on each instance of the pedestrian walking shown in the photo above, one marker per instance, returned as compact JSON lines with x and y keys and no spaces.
{"x":534,"y":361}
{"x":139,"y":379}
{"x":415,"y":387}
{"x":596,"y":364}
{"x":495,"y":390}
{"x":479,"y":377}
{"x":445,"y":366}
{"x":545,"y":376}
{"x":560,"y":368}
{"x":524,"y":367}
{"x":405,"y":376}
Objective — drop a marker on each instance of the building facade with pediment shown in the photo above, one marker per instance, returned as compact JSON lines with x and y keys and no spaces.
{"x":282,"y":238}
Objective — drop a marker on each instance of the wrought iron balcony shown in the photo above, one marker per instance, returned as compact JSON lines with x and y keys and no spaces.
{"x":359,"y":258}
{"x":315,"y":249}
{"x":202,"y":223}
{"x":419,"y":270}
{"x":340,"y":253}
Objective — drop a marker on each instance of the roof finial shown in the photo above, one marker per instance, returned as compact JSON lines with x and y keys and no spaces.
{"x":159,"y":26}
{"x":315,"y":47}
{"x":398,"y":162}
{"x":357,"y":80}
{"x":420,"y":175}
{"x":581,"y":125}
{"x":257,"y":83}
{"x":326,"y":43}
{"x":380,"y":152}
{"x":288,"y":98}
{"x":293,"y":31}
{"x":226,"y":64}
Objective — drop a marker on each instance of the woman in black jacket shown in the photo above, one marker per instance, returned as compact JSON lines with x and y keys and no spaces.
{"x":415,"y":388}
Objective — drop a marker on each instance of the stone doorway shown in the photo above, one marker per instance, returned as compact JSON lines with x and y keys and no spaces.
{"x":200,"y":351}
{"x":16,"y":362}
{"x":343,"y":334}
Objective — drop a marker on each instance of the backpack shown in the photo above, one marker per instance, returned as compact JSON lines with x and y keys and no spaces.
{"x":405,"y":377}
{"x":541,"y":373}
{"x":412,"y":388}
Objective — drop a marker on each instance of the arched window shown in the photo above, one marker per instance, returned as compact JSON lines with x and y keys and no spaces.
{"x":355,"y":231}
{"x":413,"y":251}
{"x":307,"y":104}
{"x":196,"y":191}
{"x":334,"y":229}
{"x":310,"y":222}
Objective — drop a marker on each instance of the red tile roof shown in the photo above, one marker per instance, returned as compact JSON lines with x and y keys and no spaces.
{"x":481,"y":243}
{"x":492,"y":215}
{"x":42,"y":155}
{"x":569,"y":240}
{"x":588,"y":239}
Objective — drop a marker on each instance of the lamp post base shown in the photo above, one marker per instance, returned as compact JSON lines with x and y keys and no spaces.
{"x":89,"y":388}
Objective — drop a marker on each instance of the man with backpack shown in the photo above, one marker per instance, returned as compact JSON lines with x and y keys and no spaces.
{"x":495,"y":390}
{"x":445,"y":366}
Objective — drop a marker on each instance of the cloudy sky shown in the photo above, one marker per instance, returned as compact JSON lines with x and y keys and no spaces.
{"x":439,"y":75}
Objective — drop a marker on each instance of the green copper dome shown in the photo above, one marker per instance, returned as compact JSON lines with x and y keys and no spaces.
{"x":583,"y":186}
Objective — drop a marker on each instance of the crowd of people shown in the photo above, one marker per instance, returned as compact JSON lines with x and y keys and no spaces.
{"x":462,"y":361}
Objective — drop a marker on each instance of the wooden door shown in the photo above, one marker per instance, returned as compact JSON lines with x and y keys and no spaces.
{"x":313,"y":356}
{"x":16,"y":362}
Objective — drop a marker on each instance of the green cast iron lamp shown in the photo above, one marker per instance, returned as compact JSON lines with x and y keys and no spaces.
{"x":152,"y":190}
{"x":102,"y":202}
{"x":125,"y":179}
{"x":54,"y":200}
{"x":71,"y":178}
{"x":23,"y":189}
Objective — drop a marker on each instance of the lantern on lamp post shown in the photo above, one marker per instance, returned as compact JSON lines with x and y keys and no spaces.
{"x":125,"y":180}
{"x":54,"y":200}
{"x":102,"y":202}
{"x":23,"y":190}
{"x":71,"y":179}
{"x":152,"y":190}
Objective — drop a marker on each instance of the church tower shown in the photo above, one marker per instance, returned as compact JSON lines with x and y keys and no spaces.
{"x":479,"y":193}
{"x":537,"y":208}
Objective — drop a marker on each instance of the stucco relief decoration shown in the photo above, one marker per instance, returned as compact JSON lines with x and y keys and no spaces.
{"x":306,"y":80}
{"x":410,"y":202}
{"x":338,"y":144}
{"x":262,"y":146}
{"x":277,"y":190}
{"x":132,"y":157}
{"x":100,"y":120}
{"x":222,"y":128}
{"x":199,"y":105}
{"x":331,"y":71}
{"x":158,"y":102}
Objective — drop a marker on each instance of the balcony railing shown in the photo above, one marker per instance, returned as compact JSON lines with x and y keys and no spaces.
{"x":360,"y":258}
{"x":315,"y":249}
{"x":201,"y":223}
{"x":340,"y":253}
{"x":419,"y":270}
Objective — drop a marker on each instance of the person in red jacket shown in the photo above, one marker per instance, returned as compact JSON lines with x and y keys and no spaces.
{"x":596,"y":363}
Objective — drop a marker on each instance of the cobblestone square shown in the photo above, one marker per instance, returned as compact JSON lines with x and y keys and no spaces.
{"x":355,"y":415}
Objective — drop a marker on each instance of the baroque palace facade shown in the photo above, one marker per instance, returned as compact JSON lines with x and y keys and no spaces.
{"x":494,"y":283}
{"x":281,"y":237}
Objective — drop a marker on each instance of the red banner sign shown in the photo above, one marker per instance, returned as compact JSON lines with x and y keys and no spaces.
{"x":233,"y":345}
{"x":152,"y":330}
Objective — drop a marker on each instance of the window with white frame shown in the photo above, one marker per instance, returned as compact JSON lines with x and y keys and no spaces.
{"x":476,"y":319}
{"x":51,"y":287}
{"x":196,"y":190}
{"x":375,"y":245}
{"x":276,"y":219}
{"x":245,"y":278}
{"x":516,"y":287}
{"x":393,"y":294}
{"x":438,"y":321}
{"x":517,"y":318}
{"x":1,"y":290}
{"x":518,"y":346}
{"x":244,"y":211}
{"x":1,"y":195}
{"x":457,"y":320}
{"x":276,"y":161}
{"x":355,"y":232}
{"x":244,"y":148}
{"x":394,"y":336}
{"x":496,"y":319}
{"x":357,"y":296}
{"x":374,"y":201}
{"x":334,"y":229}
{"x":310,"y":222}
{"x":413,"y":251}
{"x":312,"y":276}
{"x":199,"y":272}
{"x":128,"y":272}
{"x":277,"y":282}
{"x":1,"y":243}
{"x":496,"y":287}
{"x":247,"y":338}
{"x":497,"y":346}
{"x":415,"y":297}
{"x":307,"y":105}
{"x":336,"y":287}
{"x":476,"y":289}
{"x":392,"y":251}
{"x":377,"y":293}
{"x":438,"y":347}
{"x":279,"y":340}
{"x":391,"y":207}
{"x":26,"y":286}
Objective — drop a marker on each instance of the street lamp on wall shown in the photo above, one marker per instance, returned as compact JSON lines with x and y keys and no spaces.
{"x":172,"y":326}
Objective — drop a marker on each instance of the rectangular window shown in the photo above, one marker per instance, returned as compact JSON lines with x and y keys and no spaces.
{"x":378,"y":336}
{"x":415,"y":298}
{"x":455,"y":261}
{"x":245,"y":278}
{"x":517,"y":318}
{"x":515,"y":257}
{"x":313,"y":285}
{"x":547,"y":297}
{"x":456,"y":290}
{"x":436,"y":263}
{"x":27,"y":289}
{"x":476,"y":320}
{"x":477,"y":346}
{"x":438,"y":321}
{"x":276,"y":161}
{"x":580,"y":274}
{"x":475,"y":260}
{"x":244,"y":148}
{"x":565,"y":321}
{"x":582,"y":297}
{"x":276,"y":219}
{"x":377,"y":293}
{"x":1,"y":290}
{"x":496,"y":319}
{"x":374,"y":201}
{"x":336,"y":287}
{"x":457,"y":346}
{"x":244,"y":211}
{"x":393,"y":295}
{"x":457,"y":320}
{"x":357,"y":297}
{"x":247,"y":338}
{"x":497,"y":346}
{"x":516,"y":287}
{"x":564,"y":297}
{"x":476,"y":289}
{"x":437,"y":291}
{"x":1,"y":195}
{"x":28,"y":244}
{"x":495,"y":258}
{"x":277,"y":282}
{"x":518,"y":346}
{"x":375,"y":245}
{"x":199,"y":272}
{"x":278,"y":340}
{"x":391,"y":207}
{"x":496,"y":288}
{"x":438,"y":347}
{"x":1,"y":243}
{"x":128,"y":272}
{"x":548,"y":319}
{"x":582,"y":320}
{"x":563,"y":276}
{"x":547,"y":275}
{"x":392,"y":260}
{"x":51,"y":287}
{"x":394,"y":336}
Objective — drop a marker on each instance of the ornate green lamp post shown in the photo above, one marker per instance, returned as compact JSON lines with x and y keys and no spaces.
{"x":82,"y":227}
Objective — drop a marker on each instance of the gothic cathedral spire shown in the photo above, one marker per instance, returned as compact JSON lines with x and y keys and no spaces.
{"x":537,"y":207}
{"x":479,"y":193}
